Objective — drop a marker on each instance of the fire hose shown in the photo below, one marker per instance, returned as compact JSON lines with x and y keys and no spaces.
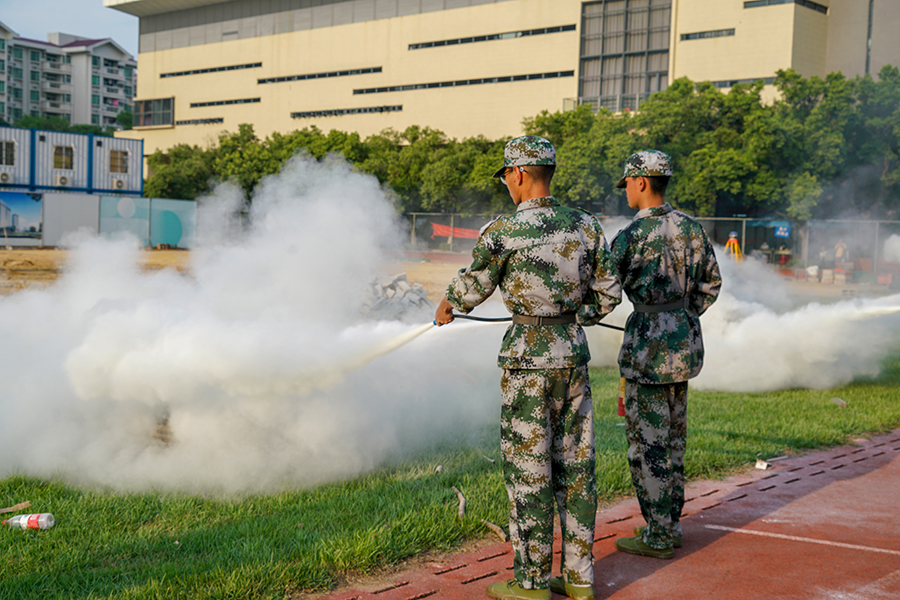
{"x":506,"y":319}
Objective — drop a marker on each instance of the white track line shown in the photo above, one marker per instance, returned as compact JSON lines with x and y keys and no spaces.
{"x":801,"y":539}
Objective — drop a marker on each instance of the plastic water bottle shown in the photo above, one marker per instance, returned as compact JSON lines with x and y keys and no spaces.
{"x":33,"y":521}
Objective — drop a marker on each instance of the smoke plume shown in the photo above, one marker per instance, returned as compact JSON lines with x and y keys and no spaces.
{"x":247,"y":357}
{"x":264,"y":370}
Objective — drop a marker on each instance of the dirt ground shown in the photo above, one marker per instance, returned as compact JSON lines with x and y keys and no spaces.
{"x":25,"y":268}
{"x":28,"y":268}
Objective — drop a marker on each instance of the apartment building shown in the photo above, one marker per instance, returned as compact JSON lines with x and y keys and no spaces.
{"x":468,"y":67}
{"x":81,"y":80}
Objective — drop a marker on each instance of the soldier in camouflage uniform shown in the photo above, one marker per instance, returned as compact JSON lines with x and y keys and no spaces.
{"x":551,"y":264}
{"x":668,"y":269}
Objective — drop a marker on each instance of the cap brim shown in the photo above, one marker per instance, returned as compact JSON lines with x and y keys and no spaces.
{"x":621,"y":183}
{"x":499,"y":172}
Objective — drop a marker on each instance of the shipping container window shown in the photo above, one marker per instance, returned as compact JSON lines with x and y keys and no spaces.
{"x":118,"y":161}
{"x":8,"y":154}
{"x":63,"y":157}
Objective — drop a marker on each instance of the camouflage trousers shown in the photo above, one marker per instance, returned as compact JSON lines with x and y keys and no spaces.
{"x":656,"y":430}
{"x":547,"y":442}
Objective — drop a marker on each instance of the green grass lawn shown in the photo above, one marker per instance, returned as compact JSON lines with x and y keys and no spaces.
{"x":112,"y":545}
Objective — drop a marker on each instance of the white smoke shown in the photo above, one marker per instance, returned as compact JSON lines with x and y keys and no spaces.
{"x":757,"y":339}
{"x":249,"y":355}
{"x":891,"y":252}
{"x":246,"y":356}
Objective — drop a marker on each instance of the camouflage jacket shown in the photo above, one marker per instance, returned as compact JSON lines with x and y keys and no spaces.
{"x":663,"y":256}
{"x":547,"y":260}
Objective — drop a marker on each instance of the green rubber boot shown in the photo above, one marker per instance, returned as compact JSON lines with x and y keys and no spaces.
{"x":636,"y":545}
{"x":576,"y":592}
{"x":511,"y":590}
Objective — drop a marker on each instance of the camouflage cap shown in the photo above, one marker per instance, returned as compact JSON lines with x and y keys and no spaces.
{"x":527,"y":150}
{"x":647,"y":163}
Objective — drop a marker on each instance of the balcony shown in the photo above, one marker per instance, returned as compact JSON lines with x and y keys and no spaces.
{"x":58,"y":67}
{"x":56,"y":87}
{"x":112,"y":71}
{"x":114,"y":91}
{"x":54,"y":106}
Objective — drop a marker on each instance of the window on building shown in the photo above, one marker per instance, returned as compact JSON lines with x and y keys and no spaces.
{"x":2,"y":65}
{"x":8,"y":153}
{"x":67,"y":78}
{"x":95,"y":119}
{"x":17,"y":52}
{"x":128,"y":72}
{"x":35,"y":113}
{"x":63,"y":157}
{"x":16,"y":93}
{"x":95,"y":61}
{"x":2,"y":108}
{"x":35,"y":75}
{"x":35,"y":56}
{"x":16,"y":114}
{"x":2,"y":44}
{"x":95,"y":80}
{"x":148,"y":113}
{"x":2,"y":87}
{"x":128,"y":90}
{"x":118,"y":161}
{"x":35,"y":95}
{"x":95,"y":99}
{"x":624,"y":52}
{"x":67,"y":97}
{"x":16,"y":73}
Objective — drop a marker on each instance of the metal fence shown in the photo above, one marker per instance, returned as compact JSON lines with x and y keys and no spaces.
{"x":777,"y":241}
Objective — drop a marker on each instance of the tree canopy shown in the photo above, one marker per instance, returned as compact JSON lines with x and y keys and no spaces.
{"x":824,"y":147}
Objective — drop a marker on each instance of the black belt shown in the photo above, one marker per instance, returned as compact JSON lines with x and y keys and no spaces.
{"x":560,"y":320}
{"x":684,"y":303}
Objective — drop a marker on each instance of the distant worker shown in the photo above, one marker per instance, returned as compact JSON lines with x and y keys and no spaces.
{"x":840,"y":252}
{"x":667,"y":267}
{"x":551,"y":264}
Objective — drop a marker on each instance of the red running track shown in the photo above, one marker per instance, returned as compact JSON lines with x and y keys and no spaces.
{"x":822,"y":526}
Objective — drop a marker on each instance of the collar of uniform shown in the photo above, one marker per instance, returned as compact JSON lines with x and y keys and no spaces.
{"x":654,"y":211}
{"x":545,"y":202}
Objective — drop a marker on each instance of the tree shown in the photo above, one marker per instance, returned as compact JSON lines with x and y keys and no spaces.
{"x":125,"y":119}
{"x":183,"y":172}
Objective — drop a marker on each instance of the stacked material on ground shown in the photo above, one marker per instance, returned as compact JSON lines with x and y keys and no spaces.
{"x":395,"y":299}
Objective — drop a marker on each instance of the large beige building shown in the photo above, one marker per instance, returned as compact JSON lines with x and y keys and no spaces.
{"x":468,"y":67}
